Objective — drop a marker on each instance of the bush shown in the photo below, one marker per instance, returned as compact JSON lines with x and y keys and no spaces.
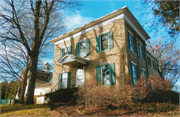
{"x":154,"y":89}
{"x":62,"y":95}
{"x":104,"y":96}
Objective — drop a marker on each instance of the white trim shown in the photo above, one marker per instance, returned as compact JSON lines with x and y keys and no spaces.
{"x":105,"y":63}
{"x":91,"y":28}
{"x":66,"y":46}
{"x":143,"y":69}
{"x":125,"y":17}
{"x":100,"y":25}
{"x":130,"y":33}
{"x":133,"y":63}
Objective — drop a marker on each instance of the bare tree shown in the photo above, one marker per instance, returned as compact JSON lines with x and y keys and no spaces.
{"x":168,"y":56}
{"x":32,"y":23}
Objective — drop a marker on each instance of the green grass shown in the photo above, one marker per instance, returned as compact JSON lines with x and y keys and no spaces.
{"x":27,"y":110}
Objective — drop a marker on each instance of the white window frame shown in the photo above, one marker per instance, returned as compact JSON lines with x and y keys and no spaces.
{"x":101,"y":42}
{"x":83,"y":55}
{"x":62,"y":78}
{"x":132,"y":42}
{"x":134,"y":64}
{"x":102,"y":80}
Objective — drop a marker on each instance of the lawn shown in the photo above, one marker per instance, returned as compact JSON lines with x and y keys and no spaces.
{"x":28,"y":110}
{"x":80,"y":110}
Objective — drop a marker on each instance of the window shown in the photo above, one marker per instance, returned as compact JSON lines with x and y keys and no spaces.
{"x":80,"y":75}
{"x":66,"y":50}
{"x":64,"y":80}
{"x":149,"y":61}
{"x":134,"y":73}
{"x":83,"y":48}
{"x":141,"y":51}
{"x":144,"y":75}
{"x":155,"y":66}
{"x":106,"y":74}
{"x":104,"y":42}
{"x":132,"y":42}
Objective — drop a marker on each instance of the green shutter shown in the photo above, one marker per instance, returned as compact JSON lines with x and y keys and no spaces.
{"x":134,"y":42}
{"x":77,"y":49}
{"x":70,"y":49}
{"x":110,"y":39}
{"x":137,"y":73}
{"x":87,"y":46}
{"x":61,"y":53}
{"x":98,"y":44}
{"x":112,"y":69}
{"x":59,"y":83}
{"x":139,"y":49}
{"x":143,"y":52}
{"x":98,"y":74}
{"x":69,"y":80}
{"x":128,"y":39}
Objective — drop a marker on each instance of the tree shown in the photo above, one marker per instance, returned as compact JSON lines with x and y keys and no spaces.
{"x":3,"y":89}
{"x":167,"y":14}
{"x":168,"y":56}
{"x":32,"y":23}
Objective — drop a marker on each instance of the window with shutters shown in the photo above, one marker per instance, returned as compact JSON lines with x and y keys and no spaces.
{"x":155,"y":65}
{"x":134,"y":72}
{"x":144,"y":75}
{"x":64,"y":80}
{"x":141,"y":51}
{"x":132,"y":42}
{"x":149,"y":61}
{"x":104,"y":42}
{"x":106,"y":74}
{"x":83,"y":48}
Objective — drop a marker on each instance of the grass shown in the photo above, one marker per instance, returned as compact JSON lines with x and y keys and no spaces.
{"x":27,"y":110}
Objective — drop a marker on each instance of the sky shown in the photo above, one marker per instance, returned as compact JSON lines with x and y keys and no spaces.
{"x":93,"y":9}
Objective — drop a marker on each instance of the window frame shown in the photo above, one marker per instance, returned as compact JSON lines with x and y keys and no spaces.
{"x":132,"y":43}
{"x":141,"y":53}
{"x":148,"y":57}
{"x":135,"y":67}
{"x":101,"y":42}
{"x":84,"y":48}
{"x":102,"y":80}
{"x":62,"y":80}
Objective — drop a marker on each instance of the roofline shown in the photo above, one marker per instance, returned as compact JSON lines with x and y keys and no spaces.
{"x":115,"y":13}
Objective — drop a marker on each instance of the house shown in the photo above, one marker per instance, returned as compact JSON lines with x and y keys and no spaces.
{"x":106,"y":50}
{"x":42,"y":85}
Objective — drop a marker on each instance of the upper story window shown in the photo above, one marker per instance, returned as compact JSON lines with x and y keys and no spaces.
{"x":155,"y":66}
{"x":64,"y":80}
{"x":134,"y":73}
{"x":141,"y":51}
{"x":104,"y":42}
{"x":149,"y":61}
{"x":66,"y":50}
{"x":144,"y":75}
{"x":132,"y":42}
{"x":83,"y":48}
{"x":106,"y":74}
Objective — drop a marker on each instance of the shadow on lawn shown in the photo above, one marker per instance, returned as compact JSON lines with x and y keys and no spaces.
{"x":10,"y":108}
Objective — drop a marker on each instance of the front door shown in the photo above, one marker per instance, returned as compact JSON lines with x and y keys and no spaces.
{"x":80,"y":75}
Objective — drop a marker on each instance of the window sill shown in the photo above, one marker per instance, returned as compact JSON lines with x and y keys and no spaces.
{"x":132,"y":51}
{"x":142,"y":59}
{"x":104,"y":51}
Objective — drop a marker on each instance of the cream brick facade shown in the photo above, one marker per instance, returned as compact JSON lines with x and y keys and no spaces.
{"x":119,"y":23}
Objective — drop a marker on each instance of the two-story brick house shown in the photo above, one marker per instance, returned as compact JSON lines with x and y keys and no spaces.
{"x":106,"y":50}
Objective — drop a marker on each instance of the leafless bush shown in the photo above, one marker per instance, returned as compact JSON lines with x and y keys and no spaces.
{"x":98,"y":95}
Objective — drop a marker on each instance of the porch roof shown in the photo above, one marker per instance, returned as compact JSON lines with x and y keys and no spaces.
{"x":70,"y":59}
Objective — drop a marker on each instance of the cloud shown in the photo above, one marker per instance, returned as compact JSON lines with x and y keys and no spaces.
{"x":75,"y":21}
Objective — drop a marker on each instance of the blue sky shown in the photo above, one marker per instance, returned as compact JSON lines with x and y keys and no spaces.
{"x":95,"y":9}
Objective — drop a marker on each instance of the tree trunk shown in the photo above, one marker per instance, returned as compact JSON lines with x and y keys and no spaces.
{"x":32,"y":79}
{"x":21,"y":101}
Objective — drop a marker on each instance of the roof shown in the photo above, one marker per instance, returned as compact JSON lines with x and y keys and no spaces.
{"x":43,"y":76}
{"x":127,"y":15}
